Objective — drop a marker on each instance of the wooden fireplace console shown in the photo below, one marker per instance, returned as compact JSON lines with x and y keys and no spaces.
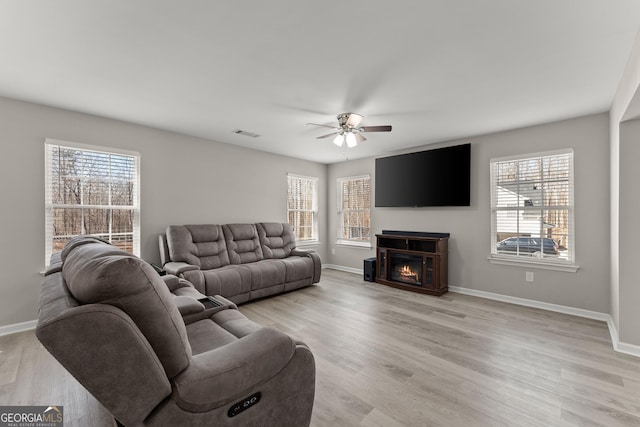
{"x":414,"y":261}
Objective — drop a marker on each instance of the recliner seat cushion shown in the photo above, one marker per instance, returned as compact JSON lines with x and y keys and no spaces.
{"x":100,"y":273}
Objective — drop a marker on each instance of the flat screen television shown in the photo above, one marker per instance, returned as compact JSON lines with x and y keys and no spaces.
{"x":439,"y":177}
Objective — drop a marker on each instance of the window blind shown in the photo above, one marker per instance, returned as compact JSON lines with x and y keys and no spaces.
{"x":532,"y":207}
{"x":91,"y":191}
{"x":302,"y":209}
{"x":354,"y":202}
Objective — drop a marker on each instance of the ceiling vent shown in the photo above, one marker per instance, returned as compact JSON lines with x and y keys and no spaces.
{"x":245,"y":133}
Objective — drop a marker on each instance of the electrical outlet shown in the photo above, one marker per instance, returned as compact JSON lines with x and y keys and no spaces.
{"x":333,"y":251}
{"x":529,"y":276}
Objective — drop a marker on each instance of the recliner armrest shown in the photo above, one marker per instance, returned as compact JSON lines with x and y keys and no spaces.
{"x":187,"y":305}
{"x":220,"y":376}
{"x":316,"y":261}
{"x":301,"y":252}
{"x":176,"y":268}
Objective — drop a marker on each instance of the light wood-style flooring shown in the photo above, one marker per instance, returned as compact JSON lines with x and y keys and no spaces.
{"x":387,"y":357}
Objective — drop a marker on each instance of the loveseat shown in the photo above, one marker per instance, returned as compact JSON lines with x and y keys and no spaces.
{"x":241,"y":262}
{"x":113,"y":323}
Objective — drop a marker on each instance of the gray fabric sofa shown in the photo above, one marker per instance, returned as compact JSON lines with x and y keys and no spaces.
{"x":241,"y":262}
{"x":116,"y":326}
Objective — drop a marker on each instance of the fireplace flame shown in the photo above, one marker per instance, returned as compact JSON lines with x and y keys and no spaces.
{"x":407,"y":273}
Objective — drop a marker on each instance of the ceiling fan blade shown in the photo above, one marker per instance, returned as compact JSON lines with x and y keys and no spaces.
{"x":375,"y":128}
{"x":324,"y":126}
{"x":326,"y":136}
{"x":359,"y":137}
{"x":354,"y":120}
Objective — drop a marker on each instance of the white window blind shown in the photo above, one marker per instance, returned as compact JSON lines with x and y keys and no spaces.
{"x":93,"y":191}
{"x":532,"y":207}
{"x":354,"y":210}
{"x":302,"y":207}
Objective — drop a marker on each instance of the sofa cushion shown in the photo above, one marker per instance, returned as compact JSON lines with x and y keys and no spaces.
{"x":100,"y":273}
{"x":276,"y":238}
{"x":201,"y":245}
{"x":298,"y":268}
{"x":266,"y":273}
{"x":243,"y":243}
{"x":227,"y":281}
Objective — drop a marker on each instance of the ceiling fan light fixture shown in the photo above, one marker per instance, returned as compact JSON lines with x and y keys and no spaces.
{"x":339,"y":140}
{"x":351,"y":140}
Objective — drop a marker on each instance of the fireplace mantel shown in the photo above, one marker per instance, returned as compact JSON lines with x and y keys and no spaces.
{"x":414,"y":261}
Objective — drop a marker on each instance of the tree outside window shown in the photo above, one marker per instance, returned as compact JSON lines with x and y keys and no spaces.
{"x":91,"y":191}
{"x":302,"y":207}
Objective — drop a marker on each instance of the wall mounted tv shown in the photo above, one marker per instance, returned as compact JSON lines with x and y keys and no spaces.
{"x":439,"y":177}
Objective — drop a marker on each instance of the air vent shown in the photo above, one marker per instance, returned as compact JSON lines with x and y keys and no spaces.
{"x":245,"y":133}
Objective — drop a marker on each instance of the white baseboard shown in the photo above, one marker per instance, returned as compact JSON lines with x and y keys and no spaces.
{"x":532,"y":303}
{"x":18,"y":327}
{"x":620,"y":347}
{"x":343,"y":268}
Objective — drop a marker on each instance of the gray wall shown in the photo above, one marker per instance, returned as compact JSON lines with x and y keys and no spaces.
{"x":183,"y":180}
{"x":469,"y":245}
{"x":629,"y":302}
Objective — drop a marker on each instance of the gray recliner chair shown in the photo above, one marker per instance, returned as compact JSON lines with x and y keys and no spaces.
{"x":113,"y":323}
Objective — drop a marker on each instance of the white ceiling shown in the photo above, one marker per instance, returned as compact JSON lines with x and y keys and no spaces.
{"x":434,"y":69}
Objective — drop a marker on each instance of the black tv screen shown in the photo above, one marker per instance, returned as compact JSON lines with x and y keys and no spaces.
{"x":439,"y":177}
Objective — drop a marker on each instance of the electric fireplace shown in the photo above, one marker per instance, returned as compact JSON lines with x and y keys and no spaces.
{"x":406,"y":268}
{"x":414,"y":261}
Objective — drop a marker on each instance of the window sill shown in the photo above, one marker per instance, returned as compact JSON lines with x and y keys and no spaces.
{"x":307,"y":243}
{"x":534,"y":263}
{"x":355,"y":244}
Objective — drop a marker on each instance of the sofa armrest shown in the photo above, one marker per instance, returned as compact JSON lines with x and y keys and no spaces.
{"x":177,"y":268}
{"x":301,"y":252}
{"x":317,"y":262}
{"x":217,"y":377}
{"x":181,"y":287}
{"x":187,"y":305}
{"x":172,"y":282}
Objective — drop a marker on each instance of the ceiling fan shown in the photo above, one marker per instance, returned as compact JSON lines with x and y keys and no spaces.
{"x":348,"y":130}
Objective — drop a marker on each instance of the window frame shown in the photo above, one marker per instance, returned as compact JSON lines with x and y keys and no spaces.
{"x":50,"y":206}
{"x":340,"y":240}
{"x":314,"y":209}
{"x":558,"y":264}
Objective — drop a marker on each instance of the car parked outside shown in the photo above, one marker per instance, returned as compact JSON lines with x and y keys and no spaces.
{"x":528,"y":245}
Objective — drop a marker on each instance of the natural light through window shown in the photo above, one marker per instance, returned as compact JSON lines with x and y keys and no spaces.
{"x":91,"y":191}
{"x":302,"y":207}
{"x":532,"y":208}
{"x":354,"y":211}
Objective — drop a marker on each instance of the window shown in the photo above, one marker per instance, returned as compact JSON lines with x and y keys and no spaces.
{"x":532,"y":208}
{"x":354,"y":204}
{"x":302,"y":207}
{"x":93,"y":191}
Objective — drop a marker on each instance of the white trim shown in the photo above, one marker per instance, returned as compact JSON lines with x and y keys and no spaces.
{"x":343,"y":268}
{"x":618,"y":346}
{"x":307,"y":243}
{"x":588,"y":314}
{"x":88,"y":147}
{"x":533,"y":263}
{"x":18,"y":327}
{"x":529,"y":156}
{"x":354,"y":243}
{"x":349,"y":178}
